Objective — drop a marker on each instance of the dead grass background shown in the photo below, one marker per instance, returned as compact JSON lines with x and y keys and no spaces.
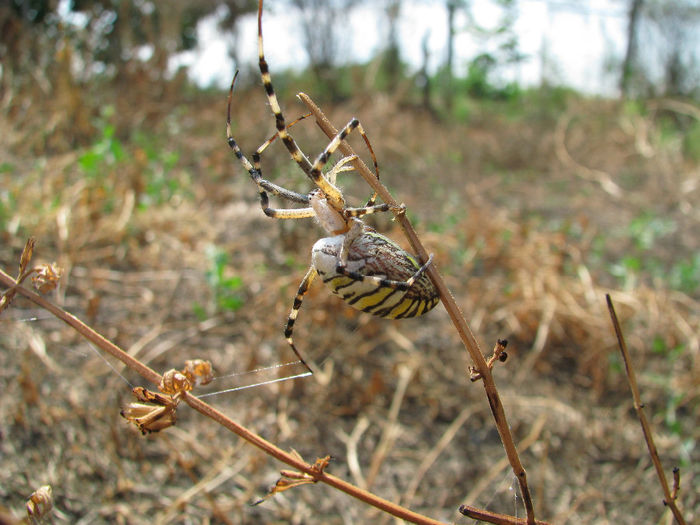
{"x":526,"y":217}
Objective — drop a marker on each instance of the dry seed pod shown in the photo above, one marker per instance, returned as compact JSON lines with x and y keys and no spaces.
{"x":47,"y":277}
{"x":291,"y":479}
{"x":153,"y":412}
{"x":26,"y":255}
{"x":173,"y":382}
{"x":40,"y":503}
{"x":198,"y":371}
{"x":149,"y":418}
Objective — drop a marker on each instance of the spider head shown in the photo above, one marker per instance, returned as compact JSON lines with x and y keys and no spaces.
{"x":331,"y":219}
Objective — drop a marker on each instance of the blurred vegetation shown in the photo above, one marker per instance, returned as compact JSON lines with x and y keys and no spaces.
{"x":63,"y":47}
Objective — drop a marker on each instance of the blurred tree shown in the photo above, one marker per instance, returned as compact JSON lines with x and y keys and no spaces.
{"x":452,"y":7}
{"x":37,"y":58}
{"x":25,"y":27}
{"x":391,"y":61}
{"x":676,"y":22}
{"x":628,"y":63}
{"x":124,"y":31}
{"x":324,"y":24}
{"x":109,"y":35}
{"x":228,"y":23}
{"x":499,"y":41}
{"x":423,"y":79}
{"x":662,"y":48}
{"x":56,"y":52}
{"x":477,"y":82}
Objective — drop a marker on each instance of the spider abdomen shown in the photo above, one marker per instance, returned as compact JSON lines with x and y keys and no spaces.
{"x":375,"y":276}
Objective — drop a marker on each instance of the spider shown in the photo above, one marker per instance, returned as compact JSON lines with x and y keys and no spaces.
{"x":366,"y":269}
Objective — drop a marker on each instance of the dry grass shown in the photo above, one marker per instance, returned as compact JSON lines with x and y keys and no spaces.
{"x":523,"y":230}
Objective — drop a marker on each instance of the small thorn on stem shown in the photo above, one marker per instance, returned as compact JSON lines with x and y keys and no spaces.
{"x":676,"y":483}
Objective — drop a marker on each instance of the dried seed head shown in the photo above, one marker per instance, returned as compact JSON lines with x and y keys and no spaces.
{"x":40,"y":503}
{"x":26,"y":255}
{"x":152,"y":413}
{"x":47,"y":277}
{"x":149,"y":418}
{"x":174,"y":382}
{"x":198,"y":371}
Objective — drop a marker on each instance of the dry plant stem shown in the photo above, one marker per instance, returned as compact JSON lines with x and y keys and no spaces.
{"x":450,"y":305}
{"x":669,"y":498}
{"x":26,"y":257}
{"x":676,"y":482}
{"x":492,"y":517}
{"x":205,"y":409}
{"x":290,"y":459}
{"x":83,"y":329}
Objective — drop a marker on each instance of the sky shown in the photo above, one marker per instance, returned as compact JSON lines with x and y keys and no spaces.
{"x":577,"y":41}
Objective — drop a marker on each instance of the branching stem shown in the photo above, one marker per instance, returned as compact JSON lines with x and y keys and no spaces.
{"x":448,"y":300}
{"x":669,"y":497}
{"x":251,"y":437}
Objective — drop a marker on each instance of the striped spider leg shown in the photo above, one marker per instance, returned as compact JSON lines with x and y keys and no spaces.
{"x":265,"y":186}
{"x":327,"y":187}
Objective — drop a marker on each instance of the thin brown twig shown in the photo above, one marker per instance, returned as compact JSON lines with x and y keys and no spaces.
{"x":448,"y":300}
{"x":203,"y":408}
{"x":83,"y":329}
{"x":669,"y":497}
{"x":676,"y":482}
{"x":493,"y":517}
{"x":22,"y":274}
{"x":391,"y":428}
{"x":496,"y":469}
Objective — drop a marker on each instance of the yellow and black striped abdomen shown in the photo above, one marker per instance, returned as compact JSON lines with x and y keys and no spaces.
{"x":379,"y":278}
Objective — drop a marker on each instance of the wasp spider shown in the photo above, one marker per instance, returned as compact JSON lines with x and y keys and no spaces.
{"x":366,"y":269}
